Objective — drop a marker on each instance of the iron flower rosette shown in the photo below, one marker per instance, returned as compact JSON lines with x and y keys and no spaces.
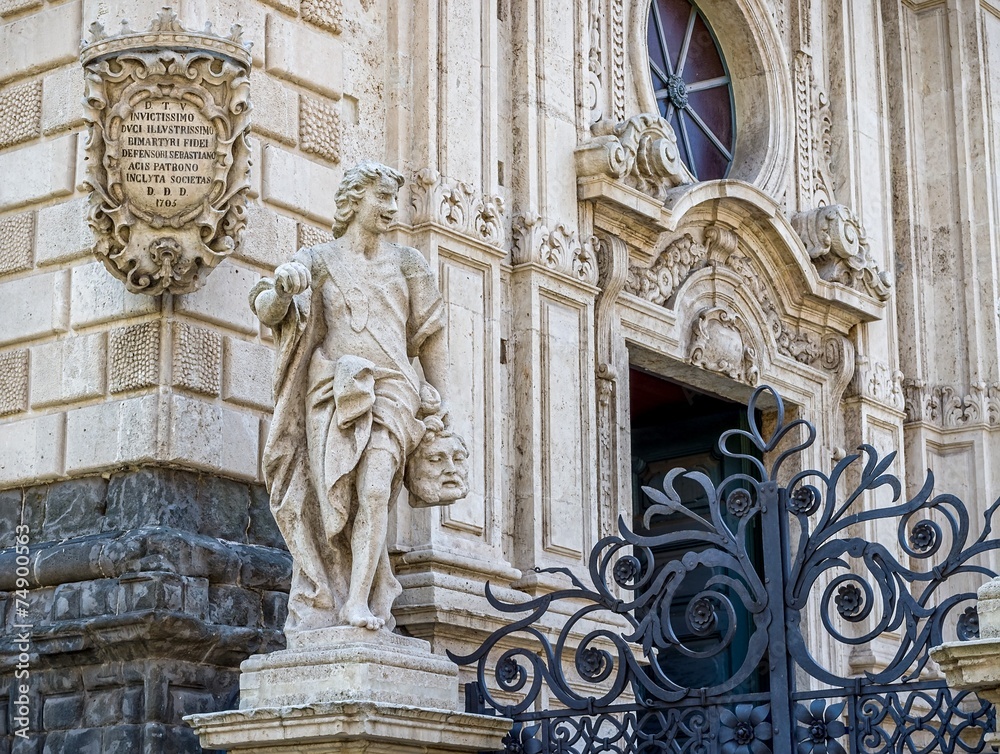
{"x":168,"y":112}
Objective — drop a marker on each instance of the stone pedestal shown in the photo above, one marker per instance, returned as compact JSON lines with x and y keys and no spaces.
{"x":975,"y":665}
{"x":348,"y":690}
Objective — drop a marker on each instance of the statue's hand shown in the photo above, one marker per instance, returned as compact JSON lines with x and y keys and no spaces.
{"x":291,"y":279}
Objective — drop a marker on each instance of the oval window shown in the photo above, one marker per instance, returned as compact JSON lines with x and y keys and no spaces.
{"x":692,"y":86}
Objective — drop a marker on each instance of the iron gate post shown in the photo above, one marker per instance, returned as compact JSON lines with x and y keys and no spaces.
{"x":780,"y":678}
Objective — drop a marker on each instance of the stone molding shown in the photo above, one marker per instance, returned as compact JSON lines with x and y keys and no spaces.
{"x":594,"y":91}
{"x":618,"y":59}
{"x":813,"y":136}
{"x":721,"y":342}
{"x":950,"y":407}
{"x":642,"y":151}
{"x":559,"y":249}
{"x":838,"y":245}
{"x":457,"y":206}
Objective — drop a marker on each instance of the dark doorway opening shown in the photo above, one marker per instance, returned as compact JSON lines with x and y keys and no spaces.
{"x":675,"y":426}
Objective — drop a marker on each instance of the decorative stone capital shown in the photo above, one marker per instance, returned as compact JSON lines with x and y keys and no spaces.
{"x":456,"y":205}
{"x":950,"y":407}
{"x":641,"y":150}
{"x":559,"y":249}
{"x":167,"y":153}
{"x":878,"y":381}
{"x":837,"y":244}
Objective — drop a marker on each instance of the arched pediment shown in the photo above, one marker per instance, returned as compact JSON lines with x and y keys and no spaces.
{"x":767,"y":236}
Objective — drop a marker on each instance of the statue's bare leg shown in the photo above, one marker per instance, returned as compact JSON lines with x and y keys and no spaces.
{"x":374,"y":479}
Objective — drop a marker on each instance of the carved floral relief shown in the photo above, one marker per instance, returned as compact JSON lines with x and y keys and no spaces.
{"x":168,"y":161}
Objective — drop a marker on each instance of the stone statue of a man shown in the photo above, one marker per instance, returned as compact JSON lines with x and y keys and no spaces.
{"x":350,"y":408}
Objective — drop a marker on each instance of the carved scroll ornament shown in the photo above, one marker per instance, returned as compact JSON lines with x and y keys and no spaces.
{"x":167,"y":153}
{"x":641,"y":150}
{"x":837,"y":244}
{"x":721,"y":343}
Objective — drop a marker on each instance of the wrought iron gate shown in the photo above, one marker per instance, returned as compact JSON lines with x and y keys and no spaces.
{"x":600,"y":689}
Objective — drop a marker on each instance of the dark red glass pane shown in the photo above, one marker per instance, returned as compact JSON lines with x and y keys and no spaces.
{"x":655,"y":54}
{"x":703,"y":59}
{"x":708,"y":160}
{"x":714,"y":106}
{"x":674,"y":19}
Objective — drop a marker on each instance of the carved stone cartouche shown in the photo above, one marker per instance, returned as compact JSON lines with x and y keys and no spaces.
{"x":167,"y":155}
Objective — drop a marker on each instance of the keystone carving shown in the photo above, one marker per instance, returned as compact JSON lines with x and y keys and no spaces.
{"x":168,"y":112}
{"x":721,"y":343}
{"x":641,"y":150}
{"x":838,"y":246}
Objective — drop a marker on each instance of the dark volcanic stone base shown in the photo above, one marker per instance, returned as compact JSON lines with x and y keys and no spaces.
{"x":147,"y":590}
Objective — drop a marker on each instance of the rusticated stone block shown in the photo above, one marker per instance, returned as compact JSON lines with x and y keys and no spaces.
{"x":13,"y":382}
{"x":33,"y":306}
{"x":10,"y":517}
{"x":326,"y":14}
{"x":62,"y":712}
{"x":197,"y":358}
{"x":319,"y":128}
{"x":62,"y":232}
{"x":310,"y":235}
{"x":307,"y":57}
{"x":62,"y":100}
{"x":134,"y":357}
{"x":13,"y":6}
{"x":31,"y":449}
{"x":15,"y":242}
{"x":43,"y":169}
{"x":274,"y":106}
{"x":71,"y":508}
{"x":234,"y":604}
{"x":263,"y":528}
{"x":274,"y":606}
{"x":98,"y":297}
{"x":20,"y":113}
{"x":272,"y":240}
{"x":67,"y":370}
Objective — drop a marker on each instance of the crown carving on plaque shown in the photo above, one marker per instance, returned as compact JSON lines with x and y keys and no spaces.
{"x":165,"y":31}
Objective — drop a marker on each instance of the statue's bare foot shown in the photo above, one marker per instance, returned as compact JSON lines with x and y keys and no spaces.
{"x":361,"y":616}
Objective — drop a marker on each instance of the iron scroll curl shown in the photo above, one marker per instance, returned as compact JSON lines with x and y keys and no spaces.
{"x":599,"y":648}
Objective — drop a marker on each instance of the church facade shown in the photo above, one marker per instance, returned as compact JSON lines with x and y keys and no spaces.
{"x":637,"y":213}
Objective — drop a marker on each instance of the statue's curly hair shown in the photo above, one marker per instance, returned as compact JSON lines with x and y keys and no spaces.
{"x":352,"y":188}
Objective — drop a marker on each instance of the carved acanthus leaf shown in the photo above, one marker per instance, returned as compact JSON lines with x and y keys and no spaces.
{"x":877,"y":380}
{"x":658,"y":282}
{"x":721,"y":343}
{"x":559,"y":249}
{"x":948,"y":407}
{"x":456,"y":205}
{"x":837,"y":244}
{"x":642,"y":151}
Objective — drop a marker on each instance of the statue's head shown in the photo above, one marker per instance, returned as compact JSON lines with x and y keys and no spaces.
{"x":437,"y":472}
{"x":369,"y":188}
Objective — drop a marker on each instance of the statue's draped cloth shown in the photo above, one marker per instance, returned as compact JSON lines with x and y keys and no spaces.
{"x":344,"y":382}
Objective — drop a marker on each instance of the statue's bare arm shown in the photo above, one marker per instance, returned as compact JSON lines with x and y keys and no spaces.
{"x":290,"y":279}
{"x":434,"y":360}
